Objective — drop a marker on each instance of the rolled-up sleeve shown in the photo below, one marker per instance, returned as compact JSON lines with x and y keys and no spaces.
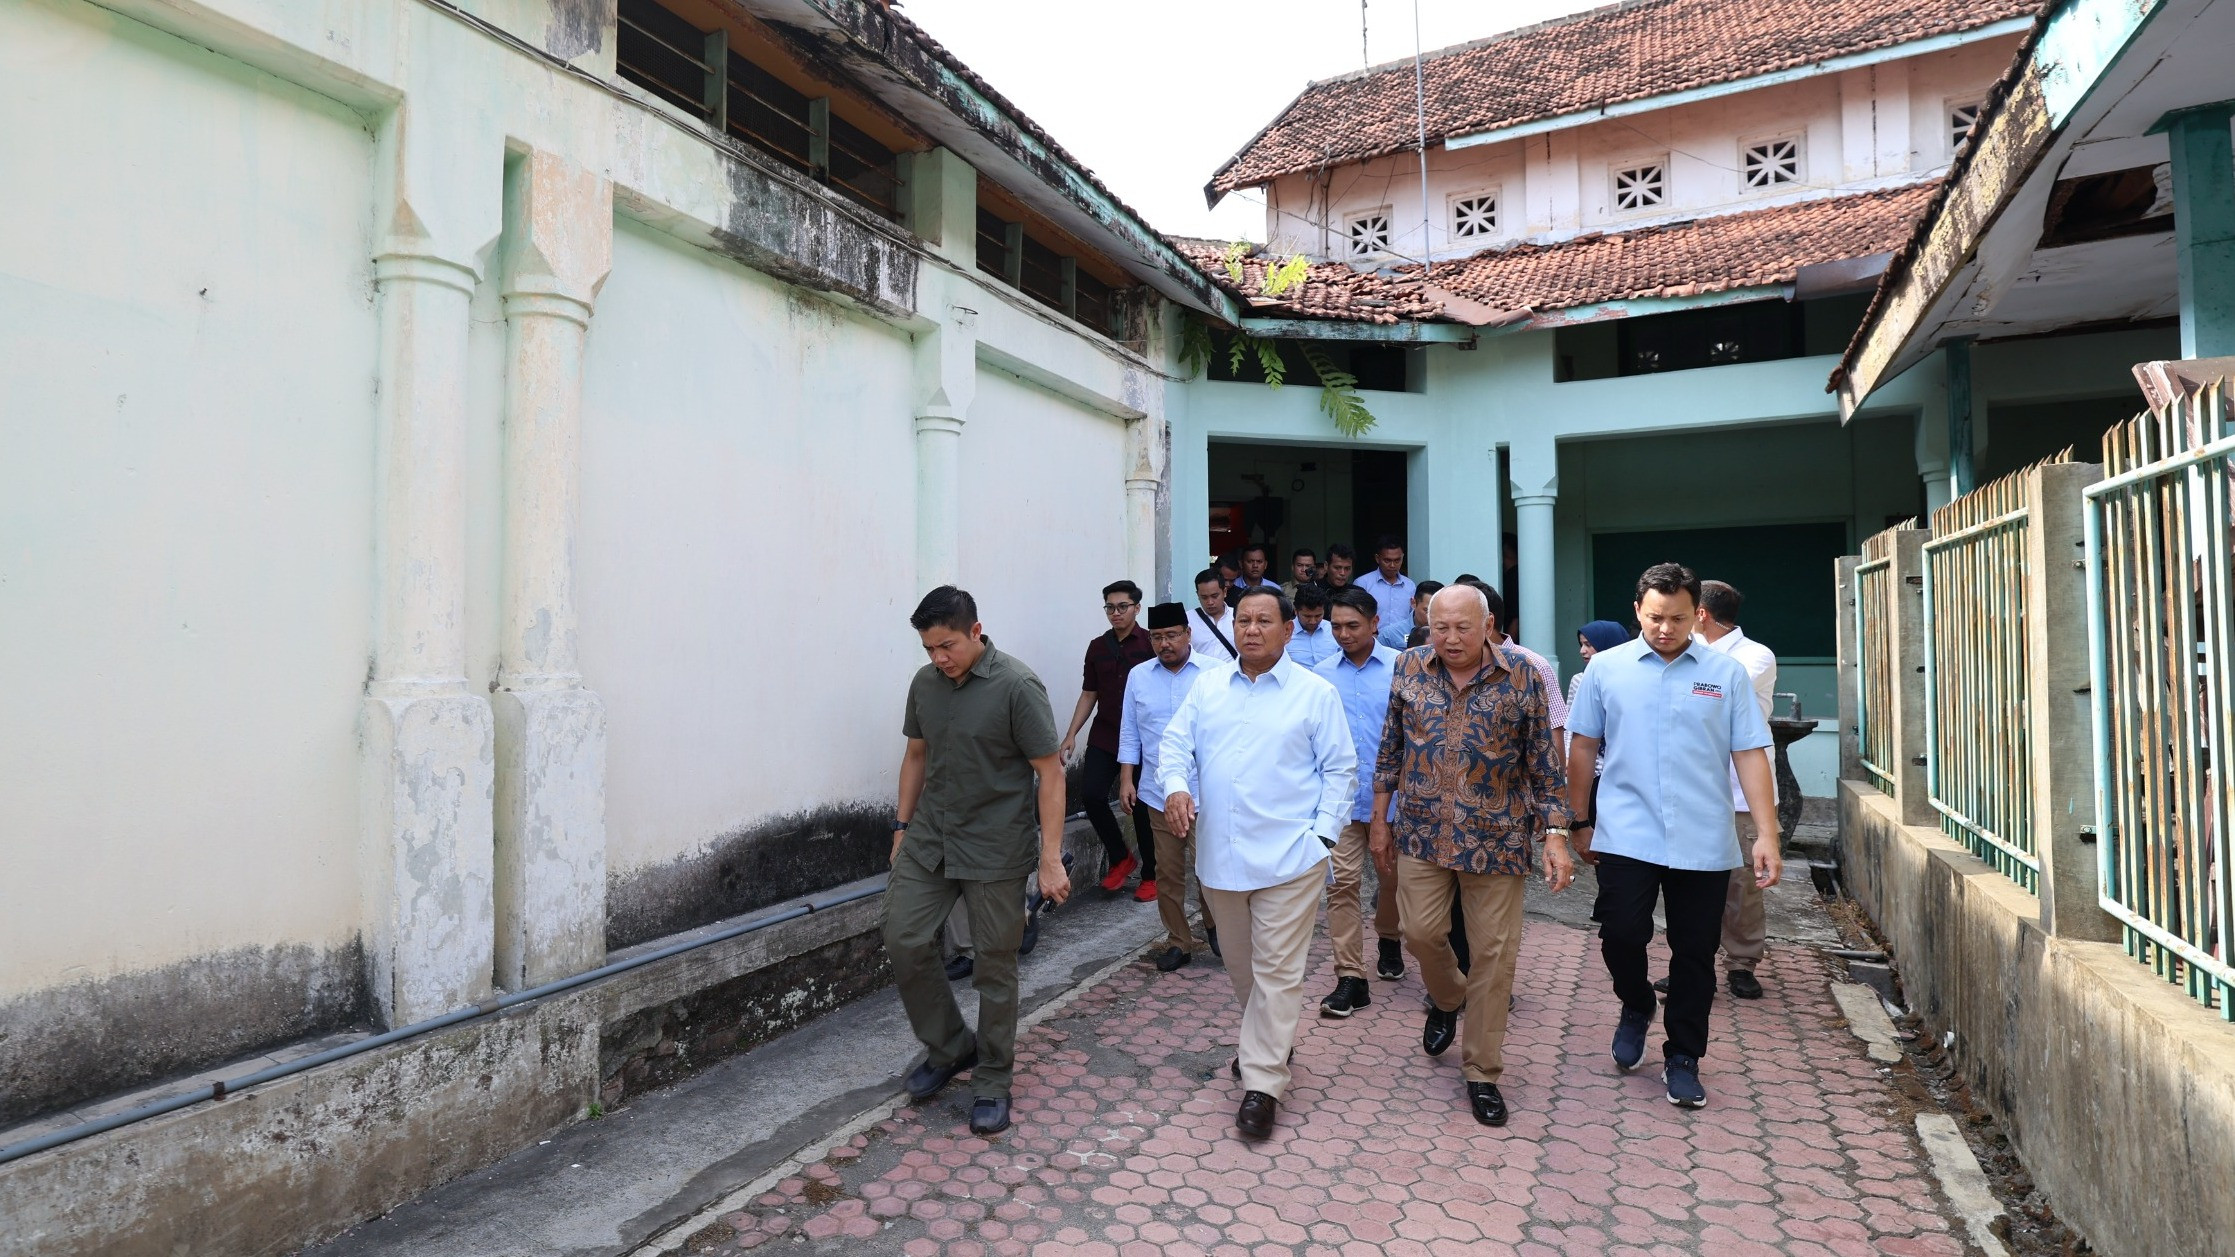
{"x":1338,"y":764}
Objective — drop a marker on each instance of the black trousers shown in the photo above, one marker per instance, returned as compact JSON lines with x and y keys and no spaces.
{"x":1693,"y":902}
{"x":1097,"y":777}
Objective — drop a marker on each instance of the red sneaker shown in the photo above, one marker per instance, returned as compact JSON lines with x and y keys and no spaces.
{"x":1146,"y":891}
{"x":1118,"y":873}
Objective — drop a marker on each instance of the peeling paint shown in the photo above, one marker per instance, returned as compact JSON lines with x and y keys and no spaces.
{"x":750,"y":867}
{"x":776,"y":228}
{"x":577,"y":27}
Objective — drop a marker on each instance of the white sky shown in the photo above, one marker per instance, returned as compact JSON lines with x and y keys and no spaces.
{"x":1153,"y":95}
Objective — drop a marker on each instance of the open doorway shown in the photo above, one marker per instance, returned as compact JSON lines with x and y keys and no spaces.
{"x":1291,"y":496}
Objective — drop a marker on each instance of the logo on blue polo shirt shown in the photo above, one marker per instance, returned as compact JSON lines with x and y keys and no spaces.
{"x":1701,"y":689}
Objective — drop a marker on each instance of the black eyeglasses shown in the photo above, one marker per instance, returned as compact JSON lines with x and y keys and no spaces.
{"x":1118,"y":608}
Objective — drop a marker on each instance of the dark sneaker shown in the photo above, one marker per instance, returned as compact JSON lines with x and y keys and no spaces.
{"x":1392,"y":960}
{"x":1682,"y":1074}
{"x":1629,"y":1037}
{"x":1349,"y":996}
{"x":1744,"y":985}
{"x":1661,"y":988}
{"x":960,"y":967}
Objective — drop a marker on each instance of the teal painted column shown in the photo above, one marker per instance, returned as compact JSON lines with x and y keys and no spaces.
{"x":1963,"y":475}
{"x":2204,"y":225}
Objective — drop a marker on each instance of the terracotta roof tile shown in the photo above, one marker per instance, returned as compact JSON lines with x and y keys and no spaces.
{"x":1626,"y":52}
{"x":1703,"y":255}
{"x":1331,"y":290}
{"x":1745,"y":250}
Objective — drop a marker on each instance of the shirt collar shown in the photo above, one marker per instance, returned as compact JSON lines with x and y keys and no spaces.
{"x":1493,"y":660}
{"x":1731,"y":641}
{"x":1382,"y":655}
{"x":984,"y":666}
{"x":1282,"y":672}
{"x":1640,"y":649}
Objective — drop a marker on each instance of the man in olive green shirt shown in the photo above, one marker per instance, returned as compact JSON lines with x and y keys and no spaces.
{"x":979,"y":729}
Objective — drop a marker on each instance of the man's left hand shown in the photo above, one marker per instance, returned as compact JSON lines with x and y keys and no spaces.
{"x":1769,"y":865}
{"x":1559,"y":863}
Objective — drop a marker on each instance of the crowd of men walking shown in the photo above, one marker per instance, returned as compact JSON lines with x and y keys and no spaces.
{"x":1273,"y":741}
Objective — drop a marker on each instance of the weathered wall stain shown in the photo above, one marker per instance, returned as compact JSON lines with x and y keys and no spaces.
{"x":72,"y":1043}
{"x":783,"y":231}
{"x":774,"y":860}
{"x":577,"y":27}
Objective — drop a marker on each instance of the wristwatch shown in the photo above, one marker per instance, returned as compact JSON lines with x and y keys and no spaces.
{"x":900,"y":825}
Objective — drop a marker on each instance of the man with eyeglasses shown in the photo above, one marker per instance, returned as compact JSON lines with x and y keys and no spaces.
{"x":1110,"y":658}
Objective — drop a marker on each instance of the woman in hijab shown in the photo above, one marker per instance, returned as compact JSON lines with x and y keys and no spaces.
{"x":1592,"y":638}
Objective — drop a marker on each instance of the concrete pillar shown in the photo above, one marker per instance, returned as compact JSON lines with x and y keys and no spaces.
{"x":2057,"y":685}
{"x":1932,"y":433}
{"x":1144,"y":477}
{"x":1850,"y":671}
{"x":941,"y":205}
{"x":1912,"y":785}
{"x":1534,"y":470}
{"x":2204,"y":226}
{"x":428,"y":759}
{"x":550,"y":793}
{"x":947,"y":382}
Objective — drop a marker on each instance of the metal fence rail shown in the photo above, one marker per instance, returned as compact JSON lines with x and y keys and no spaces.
{"x":1874,"y":637}
{"x":1978,"y":731}
{"x":2161,"y":592}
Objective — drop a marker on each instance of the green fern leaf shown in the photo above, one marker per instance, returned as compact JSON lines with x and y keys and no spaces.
{"x":1270,"y":361}
{"x":1287,"y":275}
{"x":1338,"y":395}
{"x":1235,"y":252}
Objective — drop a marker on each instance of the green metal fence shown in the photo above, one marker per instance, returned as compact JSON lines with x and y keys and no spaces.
{"x":1874,"y":660}
{"x":1978,"y":732}
{"x":2161,"y":624}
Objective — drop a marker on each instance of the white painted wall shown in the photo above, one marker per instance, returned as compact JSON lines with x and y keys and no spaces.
{"x":186,"y":370}
{"x":747,"y":562}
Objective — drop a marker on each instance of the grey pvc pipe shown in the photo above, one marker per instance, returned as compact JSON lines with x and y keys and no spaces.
{"x":219,"y":1090}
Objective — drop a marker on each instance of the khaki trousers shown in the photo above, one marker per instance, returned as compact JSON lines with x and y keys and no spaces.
{"x":1175,"y":860}
{"x":1266,"y":936}
{"x":1745,"y":929}
{"x":1346,"y":926}
{"x":1491,"y":904}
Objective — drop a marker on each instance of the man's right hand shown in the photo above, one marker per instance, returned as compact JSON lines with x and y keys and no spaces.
{"x":1179,"y":812}
{"x":1127,"y":795}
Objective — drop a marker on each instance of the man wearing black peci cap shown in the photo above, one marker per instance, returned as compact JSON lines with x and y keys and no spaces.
{"x":1153,"y":691}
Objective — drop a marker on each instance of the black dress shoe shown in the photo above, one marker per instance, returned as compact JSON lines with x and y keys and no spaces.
{"x":960,"y":967}
{"x":925,"y":1080}
{"x":1489,"y":1106}
{"x":989,"y":1115}
{"x":1173,"y":958}
{"x":1440,"y":1030}
{"x":1254,"y":1120}
{"x":1392,"y":965}
{"x":1744,"y":985}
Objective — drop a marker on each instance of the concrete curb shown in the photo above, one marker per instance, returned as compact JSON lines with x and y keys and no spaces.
{"x":1962,"y":1181}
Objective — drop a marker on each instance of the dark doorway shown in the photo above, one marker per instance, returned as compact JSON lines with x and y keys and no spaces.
{"x":1291,"y":496}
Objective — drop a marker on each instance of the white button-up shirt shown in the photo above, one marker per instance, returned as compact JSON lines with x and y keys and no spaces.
{"x":1152,"y":693}
{"x":1761,"y":666}
{"x":1199,"y":637}
{"x":1274,"y":768}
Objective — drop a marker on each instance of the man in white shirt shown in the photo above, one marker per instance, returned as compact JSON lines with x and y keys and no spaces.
{"x":1154,"y":690}
{"x":1265,"y":742}
{"x":1211,"y":625}
{"x":1313,"y":641}
{"x":1745,"y":932}
{"x":1392,"y":591}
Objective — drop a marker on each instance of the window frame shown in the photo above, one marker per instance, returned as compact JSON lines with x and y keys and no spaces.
{"x":1948,"y":110}
{"x":1495,"y":193}
{"x":1618,"y":168}
{"x":1746,"y":145}
{"x":1351,"y":251}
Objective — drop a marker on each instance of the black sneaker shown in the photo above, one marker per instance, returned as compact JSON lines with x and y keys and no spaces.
{"x":1392,"y":960}
{"x":1629,"y":1037}
{"x":1660,"y":987}
{"x":1349,"y":996}
{"x":1682,"y":1074}
{"x":1745,"y":985}
{"x":960,"y":967}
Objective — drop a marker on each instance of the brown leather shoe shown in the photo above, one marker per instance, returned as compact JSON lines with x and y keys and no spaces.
{"x":1254,"y":1121}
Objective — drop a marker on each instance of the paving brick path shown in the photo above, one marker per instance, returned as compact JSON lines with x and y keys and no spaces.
{"x":1124,"y":1146}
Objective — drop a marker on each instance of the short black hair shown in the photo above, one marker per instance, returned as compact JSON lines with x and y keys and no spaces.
{"x":1466,"y":578}
{"x":1126,"y":587}
{"x":1357,"y":600}
{"x":1722,"y":600}
{"x":1208,"y":576}
{"x":1426,"y":588}
{"x":1303,"y":552}
{"x":1340,"y":551}
{"x":1490,"y":596}
{"x":1388,"y":541}
{"x":1287,"y":608}
{"x":1311,"y":596}
{"x":1668,"y":579}
{"x":1258,"y":546}
{"x":1232,"y":559}
{"x":945,"y":607}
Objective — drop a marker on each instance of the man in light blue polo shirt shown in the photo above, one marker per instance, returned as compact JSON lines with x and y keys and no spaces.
{"x":1360,"y":672}
{"x":1392,"y":591}
{"x":1675,"y":717}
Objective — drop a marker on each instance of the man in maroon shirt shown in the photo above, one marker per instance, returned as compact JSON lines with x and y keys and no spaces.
{"x":1109,"y":658}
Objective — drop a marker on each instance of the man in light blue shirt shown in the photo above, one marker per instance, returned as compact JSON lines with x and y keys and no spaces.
{"x":1392,"y":591}
{"x":1675,"y":717}
{"x":1153,"y":692}
{"x":1264,"y":742}
{"x":1360,"y":673}
{"x":1313,"y":642}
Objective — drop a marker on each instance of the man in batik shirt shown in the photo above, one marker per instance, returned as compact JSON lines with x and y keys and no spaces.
{"x":1468,"y":752}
